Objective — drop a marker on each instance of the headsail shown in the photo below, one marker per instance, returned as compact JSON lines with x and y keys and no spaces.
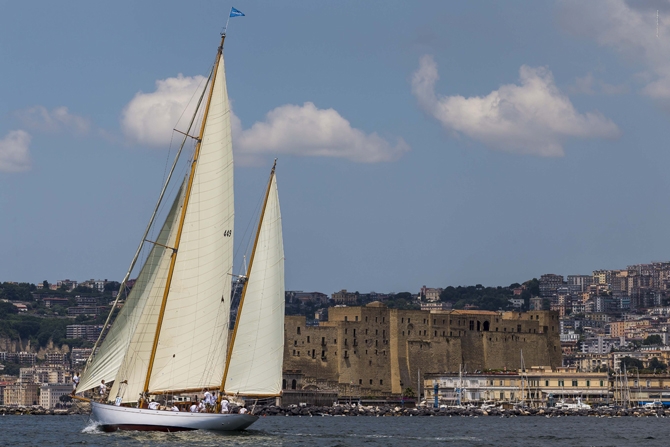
{"x":257,"y":354}
{"x":109,"y":357}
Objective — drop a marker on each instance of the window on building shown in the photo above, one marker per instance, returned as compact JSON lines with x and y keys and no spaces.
{"x":354,"y":332}
{"x":601,"y":383}
{"x":366,"y":319}
{"x":356,"y":317}
{"x":546,"y":383}
{"x":308,"y":339}
{"x":323,"y":340}
{"x":298,"y":330}
{"x":346,"y":318}
{"x":648,"y":383}
{"x":402,"y":320}
{"x":381,"y":382}
{"x":323,"y":354}
{"x":346,"y":330}
{"x":472,"y":325}
{"x":370,"y":381}
{"x":588,"y":383}
{"x":360,"y":381}
{"x":376,"y":321}
{"x":407,"y":320}
{"x":518,"y":328}
{"x":561,"y":383}
{"x":574,"y":383}
{"x":434,"y":320}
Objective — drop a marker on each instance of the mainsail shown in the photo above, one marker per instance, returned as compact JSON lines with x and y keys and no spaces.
{"x":257,"y":353}
{"x":191,"y":349}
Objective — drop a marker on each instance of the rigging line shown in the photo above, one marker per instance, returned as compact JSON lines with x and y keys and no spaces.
{"x":251,"y":221}
{"x":146,"y":231}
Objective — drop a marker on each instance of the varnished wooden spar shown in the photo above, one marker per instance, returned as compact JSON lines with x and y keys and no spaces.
{"x":244,"y":292}
{"x":173,"y":257}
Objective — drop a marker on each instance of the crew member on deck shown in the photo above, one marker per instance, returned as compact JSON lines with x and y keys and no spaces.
{"x":75,"y":383}
{"x":103,"y":390}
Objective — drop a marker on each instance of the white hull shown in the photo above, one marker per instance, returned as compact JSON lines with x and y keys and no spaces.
{"x":113,"y":418}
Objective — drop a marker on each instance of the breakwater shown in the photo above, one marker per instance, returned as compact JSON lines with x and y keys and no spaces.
{"x":359,"y":410}
{"x":372,"y":411}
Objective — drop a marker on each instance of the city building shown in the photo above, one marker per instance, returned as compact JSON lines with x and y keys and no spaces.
{"x":534,"y":386}
{"x":51,"y":393}
{"x":21,"y":394}
{"x":344,"y":297}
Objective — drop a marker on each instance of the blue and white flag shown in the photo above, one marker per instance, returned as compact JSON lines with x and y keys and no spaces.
{"x":236,"y":13}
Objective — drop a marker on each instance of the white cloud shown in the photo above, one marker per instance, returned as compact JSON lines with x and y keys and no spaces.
{"x":629,"y":28}
{"x":309,"y":131}
{"x":150,"y":117}
{"x":39,"y":118}
{"x":289,"y":129}
{"x":531,"y":118}
{"x":14,"y":152}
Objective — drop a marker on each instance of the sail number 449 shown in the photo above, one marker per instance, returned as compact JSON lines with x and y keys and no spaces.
{"x":228,"y":233}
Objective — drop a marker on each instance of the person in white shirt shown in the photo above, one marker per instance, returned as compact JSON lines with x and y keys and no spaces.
{"x":224,"y":406}
{"x":103,"y":389}
{"x":75,"y":381}
{"x":153,"y":405}
{"x":243,"y":410}
{"x":210,"y":401}
{"x":201,"y":407}
{"x":174,"y":408}
{"x":194,"y":407}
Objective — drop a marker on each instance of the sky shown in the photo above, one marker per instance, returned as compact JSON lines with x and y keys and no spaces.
{"x":425,"y":143}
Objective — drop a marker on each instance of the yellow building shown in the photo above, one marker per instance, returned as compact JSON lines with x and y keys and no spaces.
{"x":21,"y":394}
{"x":537,"y":386}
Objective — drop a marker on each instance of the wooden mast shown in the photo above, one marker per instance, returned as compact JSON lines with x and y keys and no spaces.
{"x":244,"y":290}
{"x":173,"y":257}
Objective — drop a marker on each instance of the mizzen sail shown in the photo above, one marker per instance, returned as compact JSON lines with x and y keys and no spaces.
{"x":256,"y":360}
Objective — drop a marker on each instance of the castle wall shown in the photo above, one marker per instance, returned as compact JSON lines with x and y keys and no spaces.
{"x":374,"y":351}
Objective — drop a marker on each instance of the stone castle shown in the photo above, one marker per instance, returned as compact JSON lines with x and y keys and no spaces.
{"x":377,"y":351}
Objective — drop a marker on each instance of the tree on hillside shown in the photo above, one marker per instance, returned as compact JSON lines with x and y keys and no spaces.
{"x":631,"y":363}
{"x":7,"y":309}
{"x":653,"y":340}
{"x":656,"y":364}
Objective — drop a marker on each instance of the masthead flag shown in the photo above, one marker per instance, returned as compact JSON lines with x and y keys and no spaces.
{"x":236,"y":13}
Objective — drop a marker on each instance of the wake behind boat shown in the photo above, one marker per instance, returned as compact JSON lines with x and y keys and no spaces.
{"x":170,"y":338}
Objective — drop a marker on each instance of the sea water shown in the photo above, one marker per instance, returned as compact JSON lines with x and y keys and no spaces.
{"x":361,"y":431}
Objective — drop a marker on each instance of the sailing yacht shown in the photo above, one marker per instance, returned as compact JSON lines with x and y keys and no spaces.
{"x":171,"y":337}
